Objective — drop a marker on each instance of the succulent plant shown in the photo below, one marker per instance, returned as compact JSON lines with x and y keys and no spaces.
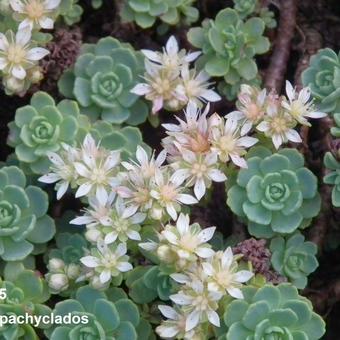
{"x":26,"y":292}
{"x":23,"y":219}
{"x":70,"y":11}
{"x":229,"y":46}
{"x":42,"y":127}
{"x":272,"y":312}
{"x":101,"y":80}
{"x":333,"y":177}
{"x":147,"y":283}
{"x":323,"y":78}
{"x":245,"y":7}
{"x":145,"y":12}
{"x":294,"y":258}
{"x":107,"y":318}
{"x":276,"y":194}
{"x":335,"y":130}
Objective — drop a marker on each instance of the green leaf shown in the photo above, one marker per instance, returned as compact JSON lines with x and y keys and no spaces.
{"x":82,"y":91}
{"x":247,"y":68}
{"x":217,"y":66}
{"x":15,"y":251}
{"x":283,"y":318}
{"x":196,"y":36}
{"x":38,"y":200}
{"x":125,"y":331}
{"x":308,"y":182}
{"x":274,"y":163}
{"x":66,"y":84}
{"x":24,"y":115}
{"x":255,"y":314}
{"x":128,"y":311}
{"x":43,"y":231}
{"x":41,"y":99}
{"x":107,"y":315}
{"x":257,"y":213}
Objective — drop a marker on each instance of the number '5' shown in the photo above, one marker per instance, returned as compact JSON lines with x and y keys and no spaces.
{"x":3,"y":293}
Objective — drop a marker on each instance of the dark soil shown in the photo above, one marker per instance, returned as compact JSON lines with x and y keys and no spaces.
{"x":317,"y":26}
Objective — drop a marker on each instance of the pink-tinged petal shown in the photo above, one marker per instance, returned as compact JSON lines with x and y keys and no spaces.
{"x":121,"y":249}
{"x":172,"y":46}
{"x":138,"y":218}
{"x":180,"y":278}
{"x":157,"y":104}
{"x":46,"y":23}
{"x":3,"y":42}
{"x":181,"y":299}
{"x":211,"y":158}
{"x":235,"y":292}
{"x":192,"y":56}
{"x":171,"y":237}
{"x":208,"y":268}
{"x":82,"y":220}
{"x":141,"y":89}
{"x":243,"y":276}
{"x":18,"y":72}
{"x":263,"y":126}
{"x":17,"y":5}
{"x":247,"y":142}
{"x":179,"y":176}
{"x":142,"y":156}
{"x":316,"y":114}
{"x":304,"y":95}
{"x":133,"y":235}
{"x":239,"y":161}
{"x":105,"y":276}
{"x":151,"y":55}
{"x":62,"y":189}
{"x":227,"y":258}
{"x":124,"y":266}
{"x":161,"y":158}
{"x":171,"y":127}
{"x":217,"y":175}
{"x":170,"y":209}
{"x":182,"y":224}
{"x":110,"y":238}
{"x":36,"y":53}
{"x":206,"y":234}
{"x":90,"y":261}
{"x":26,"y":23}
{"x":246,"y":127}
{"x":23,"y":36}
{"x":83,"y":190}
{"x":188,"y":155}
{"x":166,"y":331}
{"x":51,"y":4}
{"x":290,"y":91}
{"x":168,"y":312}
{"x":210,"y":95}
{"x":277,"y":140}
{"x":82,"y":169}
{"x":204,"y":252}
{"x":129,"y":211}
{"x":238,"y":115}
{"x":55,"y":159}
{"x":199,"y":188}
{"x":192,"y":320}
{"x":49,"y":178}
{"x":293,"y":136}
{"x":213,"y":318}
{"x":187,"y":199}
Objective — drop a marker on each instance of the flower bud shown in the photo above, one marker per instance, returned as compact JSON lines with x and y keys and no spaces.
{"x":56,"y":265}
{"x":58,"y":282}
{"x":92,"y":235}
{"x":165,"y":254}
{"x":35,"y":75}
{"x":156,"y":213}
{"x":14,"y":85}
{"x":73,"y":271}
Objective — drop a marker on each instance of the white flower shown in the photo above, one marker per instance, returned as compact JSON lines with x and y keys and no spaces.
{"x":198,"y":171}
{"x":196,"y":87}
{"x":146,"y":166}
{"x":168,"y":193}
{"x":299,"y":105}
{"x":224,"y":275}
{"x":174,"y":326}
{"x":62,"y":169}
{"x":189,"y":241}
{"x":191,"y":133}
{"x":107,"y":261}
{"x":171,"y":59}
{"x":198,"y":303}
{"x":278,"y":125}
{"x":34,"y":13}
{"x":159,"y":88}
{"x":16,"y":54}
{"x":112,"y":221}
{"x":251,"y":107}
{"x":97,"y":170}
{"x":228,"y":143}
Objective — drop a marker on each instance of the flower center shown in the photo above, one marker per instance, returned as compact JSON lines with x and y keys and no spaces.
{"x":16,"y":54}
{"x":253,"y":112}
{"x":199,"y":169}
{"x":168,"y":193}
{"x":189,"y":242}
{"x":223,"y":278}
{"x":278,"y":124}
{"x":35,"y":9}
{"x":6,"y":214}
{"x":199,"y":143}
{"x":227,"y":144}
{"x":98,"y":175}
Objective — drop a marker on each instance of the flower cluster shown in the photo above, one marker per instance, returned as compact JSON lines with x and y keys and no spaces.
{"x":204,"y":275}
{"x":169,"y":81}
{"x":276,"y":116}
{"x":19,"y":54}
